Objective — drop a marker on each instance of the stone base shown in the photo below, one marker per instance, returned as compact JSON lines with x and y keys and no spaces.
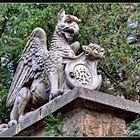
{"x":84,"y":113}
{"x":83,"y":122}
{"x":86,"y":122}
{"x":34,"y":130}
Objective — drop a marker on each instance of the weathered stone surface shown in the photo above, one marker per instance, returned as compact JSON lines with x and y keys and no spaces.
{"x":35,"y":130}
{"x":94,"y":105}
{"x":84,"y":122}
{"x":114,"y":103}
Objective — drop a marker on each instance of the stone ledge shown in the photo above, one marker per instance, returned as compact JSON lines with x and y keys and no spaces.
{"x":110,"y":101}
{"x":86,"y":97}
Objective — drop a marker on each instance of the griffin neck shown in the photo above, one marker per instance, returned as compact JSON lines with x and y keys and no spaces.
{"x":58,"y":41}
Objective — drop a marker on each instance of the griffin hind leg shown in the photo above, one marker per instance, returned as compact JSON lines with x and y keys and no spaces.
{"x":23,"y":101}
{"x":20,"y":105}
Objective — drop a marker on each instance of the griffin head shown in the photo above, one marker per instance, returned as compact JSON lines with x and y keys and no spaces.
{"x":67,"y":24}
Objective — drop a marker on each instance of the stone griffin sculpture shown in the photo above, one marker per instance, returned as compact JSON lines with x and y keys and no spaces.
{"x":42,"y":75}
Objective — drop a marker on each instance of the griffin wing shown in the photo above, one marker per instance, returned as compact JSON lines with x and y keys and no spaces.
{"x":30,"y":65}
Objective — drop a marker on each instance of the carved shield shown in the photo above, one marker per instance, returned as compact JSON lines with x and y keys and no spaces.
{"x":82,"y":72}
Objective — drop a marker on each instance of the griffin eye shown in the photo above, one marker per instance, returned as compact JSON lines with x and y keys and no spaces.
{"x":68,"y":21}
{"x":93,"y":47}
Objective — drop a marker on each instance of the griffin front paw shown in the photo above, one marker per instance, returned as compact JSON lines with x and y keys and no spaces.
{"x":12,"y":123}
{"x":54,"y":93}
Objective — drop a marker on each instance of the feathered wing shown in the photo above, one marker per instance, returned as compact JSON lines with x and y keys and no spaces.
{"x":30,"y":65}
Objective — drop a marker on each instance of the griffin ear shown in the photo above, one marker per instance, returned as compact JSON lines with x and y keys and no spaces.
{"x":61,"y":14}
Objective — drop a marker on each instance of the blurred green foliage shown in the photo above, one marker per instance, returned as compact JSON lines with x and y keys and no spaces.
{"x":53,"y":125}
{"x":104,"y":24}
{"x":134,"y":128}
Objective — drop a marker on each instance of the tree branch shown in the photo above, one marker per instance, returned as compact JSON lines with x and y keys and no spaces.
{"x":109,"y":76}
{"x":116,"y":83}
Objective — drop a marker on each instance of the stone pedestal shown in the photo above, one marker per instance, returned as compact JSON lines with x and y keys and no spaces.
{"x":83,"y":122}
{"x":84,"y":113}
